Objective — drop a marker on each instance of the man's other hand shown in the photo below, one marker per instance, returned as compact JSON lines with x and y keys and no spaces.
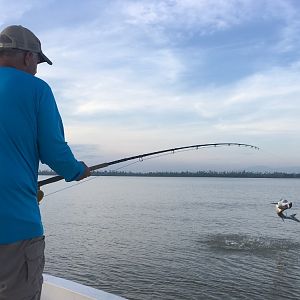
{"x":86,"y":172}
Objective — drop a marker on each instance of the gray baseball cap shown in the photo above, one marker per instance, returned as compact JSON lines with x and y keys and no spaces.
{"x":19,"y":37}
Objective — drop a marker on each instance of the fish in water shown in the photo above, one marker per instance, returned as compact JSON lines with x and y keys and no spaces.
{"x":283,"y":205}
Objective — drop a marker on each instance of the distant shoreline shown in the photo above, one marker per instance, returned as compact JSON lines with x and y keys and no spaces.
{"x":229,"y":174}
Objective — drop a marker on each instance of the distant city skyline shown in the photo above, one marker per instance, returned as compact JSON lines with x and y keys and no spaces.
{"x":131,"y":77}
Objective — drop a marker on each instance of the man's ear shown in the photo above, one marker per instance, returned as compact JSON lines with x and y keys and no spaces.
{"x":27,"y":58}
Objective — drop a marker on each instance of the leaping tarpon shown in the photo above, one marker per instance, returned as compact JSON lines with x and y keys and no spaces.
{"x":283,"y":205}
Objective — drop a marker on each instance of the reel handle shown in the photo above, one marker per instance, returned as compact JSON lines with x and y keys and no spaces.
{"x":40,"y":195}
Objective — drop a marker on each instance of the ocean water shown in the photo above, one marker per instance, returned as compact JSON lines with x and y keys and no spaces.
{"x":175,"y":238}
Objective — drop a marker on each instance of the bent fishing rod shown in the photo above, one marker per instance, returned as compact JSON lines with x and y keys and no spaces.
{"x":141,"y":156}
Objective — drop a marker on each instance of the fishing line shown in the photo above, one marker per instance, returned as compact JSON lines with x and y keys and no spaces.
{"x":140,"y":159}
{"x":142,"y":156}
{"x":122,"y":167}
{"x":93,"y":177}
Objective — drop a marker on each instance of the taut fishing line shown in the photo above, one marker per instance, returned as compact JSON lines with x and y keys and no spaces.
{"x":93,"y":177}
{"x":141,"y":157}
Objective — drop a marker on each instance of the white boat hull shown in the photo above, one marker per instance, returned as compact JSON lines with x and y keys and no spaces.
{"x":55,"y":288}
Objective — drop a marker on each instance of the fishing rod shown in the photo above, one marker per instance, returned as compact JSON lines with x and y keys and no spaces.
{"x":141,"y":156}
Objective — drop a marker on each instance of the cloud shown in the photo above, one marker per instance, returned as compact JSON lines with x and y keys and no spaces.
{"x":289,"y":39}
{"x":103,"y":94}
{"x":262,"y":103}
{"x":200,"y":16}
{"x":260,"y":109}
{"x":186,"y":14}
{"x":146,"y":74}
{"x":12,"y":11}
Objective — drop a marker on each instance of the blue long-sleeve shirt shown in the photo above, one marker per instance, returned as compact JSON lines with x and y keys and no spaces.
{"x":31,"y":130}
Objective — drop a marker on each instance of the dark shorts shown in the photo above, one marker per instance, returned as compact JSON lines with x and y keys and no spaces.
{"x":21,"y":269}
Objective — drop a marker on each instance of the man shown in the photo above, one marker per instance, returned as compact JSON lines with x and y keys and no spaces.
{"x":31,"y":130}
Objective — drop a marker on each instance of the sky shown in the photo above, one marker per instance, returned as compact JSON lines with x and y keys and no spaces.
{"x":132,"y":77}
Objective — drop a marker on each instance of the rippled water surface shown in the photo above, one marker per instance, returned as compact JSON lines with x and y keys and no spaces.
{"x":175,"y":238}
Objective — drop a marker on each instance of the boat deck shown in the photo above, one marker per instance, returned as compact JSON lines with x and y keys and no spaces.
{"x":55,"y":288}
